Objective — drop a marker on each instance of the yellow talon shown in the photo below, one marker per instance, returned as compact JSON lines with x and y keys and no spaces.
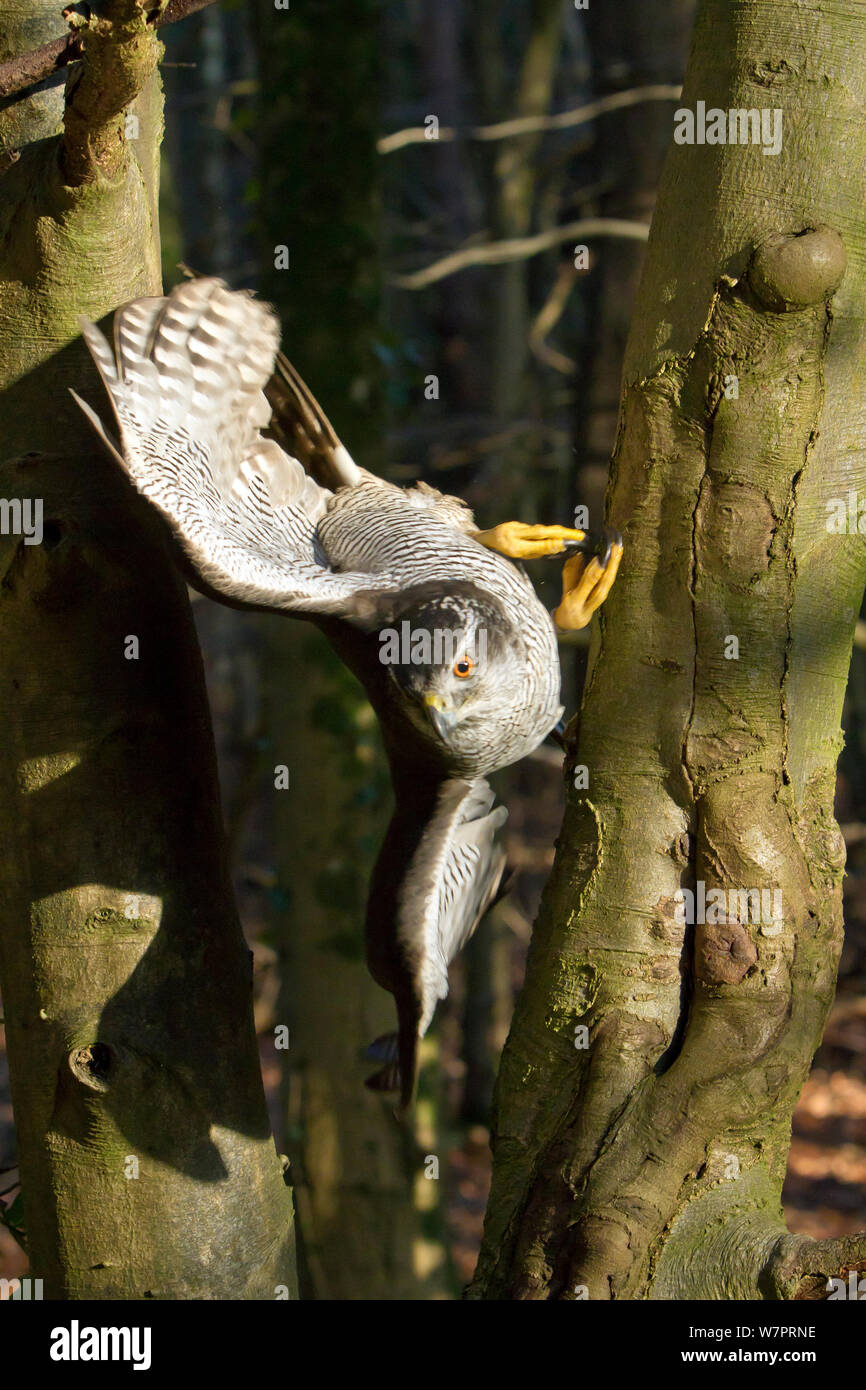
{"x":585,"y":586}
{"x":520,"y":541}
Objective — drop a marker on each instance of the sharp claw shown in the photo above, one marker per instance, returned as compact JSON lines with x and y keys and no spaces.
{"x":585,"y":587}
{"x":587,"y":546}
{"x":609,"y":539}
{"x":595,"y":543}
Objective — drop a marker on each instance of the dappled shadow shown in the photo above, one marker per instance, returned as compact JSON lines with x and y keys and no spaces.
{"x":112,"y":823}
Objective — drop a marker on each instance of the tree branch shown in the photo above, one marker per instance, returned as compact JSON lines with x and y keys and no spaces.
{"x":529,"y":125}
{"x":548,"y":317}
{"x":28,"y":69}
{"x":121,"y":52}
{"x":519,"y":248}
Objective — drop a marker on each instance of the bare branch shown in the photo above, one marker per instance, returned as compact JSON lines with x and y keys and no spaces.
{"x":27,"y":69}
{"x":528,"y":125}
{"x":519,"y":248}
{"x":548,"y":317}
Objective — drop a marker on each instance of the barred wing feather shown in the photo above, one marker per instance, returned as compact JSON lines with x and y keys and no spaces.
{"x":185,"y":377}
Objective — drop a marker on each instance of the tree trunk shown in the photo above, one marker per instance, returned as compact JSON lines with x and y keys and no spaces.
{"x":143,"y":1138}
{"x":650,"y":1162}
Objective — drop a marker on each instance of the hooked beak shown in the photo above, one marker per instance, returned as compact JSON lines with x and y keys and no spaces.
{"x":441,"y":717}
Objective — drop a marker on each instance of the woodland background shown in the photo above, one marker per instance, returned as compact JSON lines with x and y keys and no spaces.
{"x":275,"y":136}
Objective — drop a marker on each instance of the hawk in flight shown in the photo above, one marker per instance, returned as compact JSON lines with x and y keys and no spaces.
{"x":457,"y":654}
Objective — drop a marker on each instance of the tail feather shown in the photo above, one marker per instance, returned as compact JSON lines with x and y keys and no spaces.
{"x":383,"y":1049}
{"x":399,"y":1052}
{"x":388,"y":1079}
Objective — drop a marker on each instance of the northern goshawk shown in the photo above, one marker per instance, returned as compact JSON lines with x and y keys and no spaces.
{"x":456,"y":652}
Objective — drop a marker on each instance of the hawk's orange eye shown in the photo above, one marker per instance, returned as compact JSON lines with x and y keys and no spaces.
{"x":464,"y":667}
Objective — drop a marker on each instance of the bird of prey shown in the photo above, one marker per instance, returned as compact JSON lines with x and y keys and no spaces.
{"x":457,"y":654}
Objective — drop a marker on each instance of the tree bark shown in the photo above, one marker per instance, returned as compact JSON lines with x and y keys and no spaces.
{"x":143,"y":1137}
{"x":650,"y":1163}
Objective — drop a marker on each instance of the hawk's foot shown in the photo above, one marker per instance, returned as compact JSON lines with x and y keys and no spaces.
{"x":520,"y":541}
{"x":586,"y":584}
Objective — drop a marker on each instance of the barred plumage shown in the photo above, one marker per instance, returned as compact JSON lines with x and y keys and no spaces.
{"x":318,"y":537}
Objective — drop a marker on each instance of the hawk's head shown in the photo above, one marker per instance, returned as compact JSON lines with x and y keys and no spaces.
{"x":463,"y":671}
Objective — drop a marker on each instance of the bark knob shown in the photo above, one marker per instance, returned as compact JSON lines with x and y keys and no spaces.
{"x":791,"y":271}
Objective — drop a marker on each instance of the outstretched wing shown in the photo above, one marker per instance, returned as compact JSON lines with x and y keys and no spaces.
{"x":185,"y":378}
{"x":301,"y":426}
{"x":439,"y":871}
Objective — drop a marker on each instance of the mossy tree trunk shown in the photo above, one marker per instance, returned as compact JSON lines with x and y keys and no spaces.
{"x":147,"y":1165}
{"x":649,"y":1164}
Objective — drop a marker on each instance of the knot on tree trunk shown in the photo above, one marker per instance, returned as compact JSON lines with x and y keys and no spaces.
{"x":724,"y":954}
{"x":791,"y":271}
